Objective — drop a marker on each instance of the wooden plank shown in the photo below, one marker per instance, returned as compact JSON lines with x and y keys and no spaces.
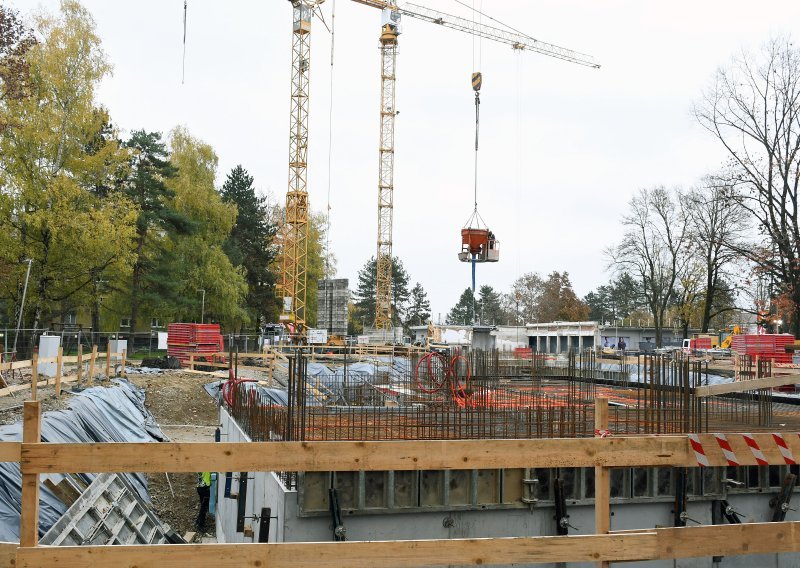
{"x":653,"y":544}
{"x":34,"y":376}
{"x":748,"y":385}
{"x":10,"y":451}
{"x":108,"y":361}
{"x":29,"y":516}
{"x":80,"y":363}
{"x":395,"y":455}
{"x":15,"y":365}
{"x":477,"y":551}
{"x":25,"y":386}
{"x":602,"y":480}
{"x":92,"y":360}
{"x":59,"y":365}
{"x":356,"y":456}
{"x":122,"y":367}
{"x":64,"y":490}
{"x":729,"y":540}
{"x":8,"y":554}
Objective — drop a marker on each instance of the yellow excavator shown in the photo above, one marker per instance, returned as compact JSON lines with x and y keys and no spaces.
{"x":727,"y":336}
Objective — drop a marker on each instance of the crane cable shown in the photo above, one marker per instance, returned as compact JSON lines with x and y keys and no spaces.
{"x":328,"y":275}
{"x":330,"y":146}
{"x":183,"y":62}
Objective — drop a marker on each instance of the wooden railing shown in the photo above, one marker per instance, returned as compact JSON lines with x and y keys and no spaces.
{"x":602,"y":452}
{"x":60,"y":359}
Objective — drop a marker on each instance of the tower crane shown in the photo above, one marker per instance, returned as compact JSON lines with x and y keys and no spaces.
{"x":294,"y":235}
{"x":390,"y":30}
{"x":293,"y":283}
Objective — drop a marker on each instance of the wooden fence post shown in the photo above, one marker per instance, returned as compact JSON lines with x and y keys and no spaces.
{"x":91,"y":363}
{"x":80,"y":363}
{"x":29,"y":517}
{"x":59,"y":364}
{"x":191,"y":361}
{"x":108,"y":361}
{"x":122,"y":368}
{"x":602,"y":485}
{"x":34,"y":374}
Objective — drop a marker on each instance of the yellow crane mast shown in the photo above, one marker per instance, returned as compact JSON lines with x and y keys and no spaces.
{"x":294,"y":236}
{"x":383,"y":260}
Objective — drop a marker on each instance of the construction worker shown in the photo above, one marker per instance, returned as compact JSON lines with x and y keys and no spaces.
{"x":204,"y":493}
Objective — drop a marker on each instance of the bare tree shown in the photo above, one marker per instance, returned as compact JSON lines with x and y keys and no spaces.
{"x":753,"y":109}
{"x":655,"y":248}
{"x":716,"y":221}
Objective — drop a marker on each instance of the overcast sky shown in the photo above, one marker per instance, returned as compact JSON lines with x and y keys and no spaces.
{"x":563,"y":147}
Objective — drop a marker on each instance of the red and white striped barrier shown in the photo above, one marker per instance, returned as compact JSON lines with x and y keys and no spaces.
{"x":752,"y":443}
{"x":699,"y":452}
{"x":727,"y":451}
{"x":756,"y":451}
{"x":784,"y":448}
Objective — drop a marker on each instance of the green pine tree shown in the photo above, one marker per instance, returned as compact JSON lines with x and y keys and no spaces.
{"x":365,"y":292}
{"x":250,"y":244}
{"x":419,"y":309}
{"x":150,"y":168}
{"x":463,"y":313}
{"x":490,"y":308}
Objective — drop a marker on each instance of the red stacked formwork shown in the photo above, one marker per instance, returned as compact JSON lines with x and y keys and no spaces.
{"x":523,"y":352}
{"x":766,"y":346}
{"x":199,"y":339}
{"x":701,"y":343}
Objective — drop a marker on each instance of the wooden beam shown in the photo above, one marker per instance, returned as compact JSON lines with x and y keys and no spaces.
{"x":15,"y":365}
{"x":642,"y":451}
{"x":122,"y":367}
{"x":34,"y":375}
{"x":729,"y":540}
{"x":29,"y":516}
{"x":10,"y":451}
{"x":59,"y":365}
{"x":108,"y":361}
{"x":80,"y":363}
{"x":354,"y":554}
{"x":92,"y":360}
{"x":356,"y":456}
{"x":8,"y":553}
{"x":602,"y":481}
{"x":748,"y":385}
{"x":25,"y":386}
{"x":650,"y":544}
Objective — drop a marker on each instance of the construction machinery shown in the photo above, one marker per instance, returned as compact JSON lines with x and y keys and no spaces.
{"x":295,"y":235}
{"x":390,"y":30}
{"x":727,"y":336}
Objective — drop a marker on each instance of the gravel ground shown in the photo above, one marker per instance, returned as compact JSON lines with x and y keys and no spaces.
{"x":186,"y":414}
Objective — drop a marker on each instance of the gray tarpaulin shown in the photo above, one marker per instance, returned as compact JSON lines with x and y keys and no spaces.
{"x":97,"y":414}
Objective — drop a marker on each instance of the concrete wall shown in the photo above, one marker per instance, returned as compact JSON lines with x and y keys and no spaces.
{"x":560,"y":336}
{"x":266,"y":490}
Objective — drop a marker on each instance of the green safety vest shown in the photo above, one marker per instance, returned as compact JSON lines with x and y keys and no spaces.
{"x":204,"y":479}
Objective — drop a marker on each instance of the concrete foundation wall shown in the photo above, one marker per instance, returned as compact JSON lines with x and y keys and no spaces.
{"x":266,"y":490}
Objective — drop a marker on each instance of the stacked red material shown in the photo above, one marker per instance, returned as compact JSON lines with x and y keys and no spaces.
{"x":767,"y":346}
{"x":701,"y":343}
{"x":198,"y":339}
{"x":523,"y":352}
